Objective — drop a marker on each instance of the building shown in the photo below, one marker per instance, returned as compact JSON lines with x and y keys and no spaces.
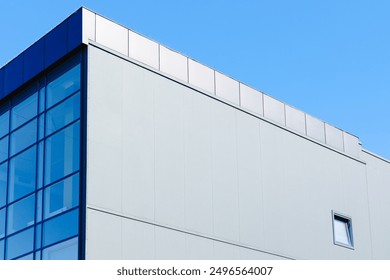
{"x":113,"y":146}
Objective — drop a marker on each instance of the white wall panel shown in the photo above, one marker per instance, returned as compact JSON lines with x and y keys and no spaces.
{"x":199,"y":248}
{"x":169,"y":153}
{"x":225,"y":189}
{"x":251,"y":99}
{"x":112,"y":35}
{"x":201,"y":76}
{"x":170,"y":244}
{"x":223,"y":251}
{"x":138,"y":149}
{"x":143,"y":49}
{"x":227,"y":88}
{"x":315,"y":128}
{"x":89,"y":22}
{"x":274,"y":109}
{"x":198,"y":164}
{"x":104,"y":236}
{"x":249,"y":180}
{"x":334,"y":137}
{"x":104,"y":130}
{"x":173,"y":63}
{"x":295,"y":119}
{"x":137,"y":240}
{"x":351,"y":145}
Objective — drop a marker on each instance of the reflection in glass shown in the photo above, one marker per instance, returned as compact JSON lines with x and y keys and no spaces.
{"x":24,"y":111}
{"x":21,"y":214}
{"x":38,"y":255}
{"x":63,"y":114}
{"x":62,"y":153}
{"x":20,"y":243}
{"x":2,"y":223}
{"x":61,"y":227}
{"x":4,"y":121}
{"x":62,"y":196}
{"x":23,"y":137}
{"x":67,"y":250}
{"x":3,"y":183}
{"x":22,"y":174}
{"x":40,"y":165}
{"x":3,"y":149}
{"x":41,"y":100}
{"x":63,"y":86}
{"x":41,"y":127}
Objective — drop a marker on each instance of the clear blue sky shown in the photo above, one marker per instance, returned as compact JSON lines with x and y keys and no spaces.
{"x":330,"y":59}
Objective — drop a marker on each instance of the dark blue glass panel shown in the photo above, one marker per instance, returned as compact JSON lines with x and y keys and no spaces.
{"x":13,"y":75}
{"x":42,"y":100}
{"x":40,"y":165}
{"x":75,"y":30}
{"x":62,"y":196}
{"x":21,"y":214}
{"x":62,"y":155}
{"x":20,"y":243}
{"x":3,"y":149}
{"x":2,"y":223}
{"x":63,"y":86}
{"x":4,"y":123}
{"x":1,"y":249}
{"x":61,"y":227}
{"x":3,"y":183}
{"x":24,"y":111}
{"x":56,"y":44}
{"x":41,"y":127}
{"x":63,"y":114}
{"x":39,"y":207}
{"x":34,"y":60}
{"x":23,"y":137}
{"x":67,"y":250}
{"x":38,"y":236}
{"x":27,"y":257}
{"x":38,"y":255}
{"x":22,"y":169}
{"x":1,"y":83}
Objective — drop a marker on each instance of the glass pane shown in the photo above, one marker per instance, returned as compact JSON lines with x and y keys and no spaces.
{"x":41,"y":100}
{"x":38,"y":236}
{"x":1,"y":249}
{"x":41,"y":127}
{"x":63,"y":114}
{"x":63,"y":86}
{"x":60,"y":228}
{"x":24,"y":111}
{"x":21,"y":214}
{"x":22,"y":169}
{"x":341,"y":232}
{"x":38,"y":255}
{"x":62,"y":196}
{"x":39,"y":207}
{"x":62,"y":153}
{"x":3,"y":183}
{"x":3,"y":149}
{"x":20,"y":243}
{"x":27,"y":257}
{"x":24,"y":137}
{"x":40,"y":166}
{"x":4,"y":123}
{"x":2,"y":223}
{"x":67,"y":250}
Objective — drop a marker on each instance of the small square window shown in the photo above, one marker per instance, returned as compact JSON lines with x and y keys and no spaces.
{"x":342,"y":230}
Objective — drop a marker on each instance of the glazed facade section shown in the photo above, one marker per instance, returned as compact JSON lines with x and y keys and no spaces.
{"x":39,"y":167}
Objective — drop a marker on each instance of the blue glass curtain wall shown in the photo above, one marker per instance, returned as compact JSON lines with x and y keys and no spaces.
{"x":40,"y":167}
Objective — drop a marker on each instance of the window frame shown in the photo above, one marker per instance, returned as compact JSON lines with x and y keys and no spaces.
{"x":349,"y":230}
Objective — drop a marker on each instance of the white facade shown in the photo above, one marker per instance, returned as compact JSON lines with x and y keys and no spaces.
{"x":174,"y":172}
